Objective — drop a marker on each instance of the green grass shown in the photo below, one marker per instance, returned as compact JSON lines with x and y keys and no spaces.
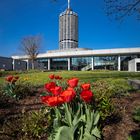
{"x":39,"y":78}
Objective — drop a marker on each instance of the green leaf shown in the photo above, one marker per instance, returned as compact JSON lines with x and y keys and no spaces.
{"x":77,"y":116}
{"x":64,"y":133}
{"x":68,"y":115}
{"x":96,"y":132}
{"x":96,"y":117}
{"x":81,"y":133}
{"x":88,"y":136}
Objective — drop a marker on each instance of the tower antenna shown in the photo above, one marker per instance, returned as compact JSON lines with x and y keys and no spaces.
{"x":68,"y":4}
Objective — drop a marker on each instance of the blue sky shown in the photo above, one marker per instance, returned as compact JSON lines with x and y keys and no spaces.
{"x":20,"y":18}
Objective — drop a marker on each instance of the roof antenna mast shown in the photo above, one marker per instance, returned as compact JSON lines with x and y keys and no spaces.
{"x":68,"y":4}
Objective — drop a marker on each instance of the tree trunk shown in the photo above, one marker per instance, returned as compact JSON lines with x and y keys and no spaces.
{"x":33,"y":66}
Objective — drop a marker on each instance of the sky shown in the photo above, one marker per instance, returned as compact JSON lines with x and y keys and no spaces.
{"x":21,"y":18}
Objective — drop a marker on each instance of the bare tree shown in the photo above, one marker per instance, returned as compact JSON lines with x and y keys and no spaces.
{"x":31,"y":45}
{"x":120,"y":9}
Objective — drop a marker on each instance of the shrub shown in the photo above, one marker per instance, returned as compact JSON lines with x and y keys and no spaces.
{"x":104,"y":90}
{"x":35,"y":124}
{"x":103,"y":93}
{"x":136,"y":114}
{"x":119,"y":87}
{"x":27,"y":126}
{"x":111,"y":88}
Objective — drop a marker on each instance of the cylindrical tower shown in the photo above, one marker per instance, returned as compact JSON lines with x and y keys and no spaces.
{"x":68,"y":29}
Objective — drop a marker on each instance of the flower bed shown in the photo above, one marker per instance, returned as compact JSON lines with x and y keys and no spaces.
{"x":70,"y":109}
{"x":74,"y":115}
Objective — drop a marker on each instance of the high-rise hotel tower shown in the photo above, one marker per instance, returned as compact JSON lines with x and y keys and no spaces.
{"x":68,"y":29}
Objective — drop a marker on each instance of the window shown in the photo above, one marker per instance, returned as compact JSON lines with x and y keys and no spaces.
{"x":138,"y":66}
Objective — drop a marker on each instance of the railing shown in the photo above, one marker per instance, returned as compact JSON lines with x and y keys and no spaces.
{"x":88,"y":67}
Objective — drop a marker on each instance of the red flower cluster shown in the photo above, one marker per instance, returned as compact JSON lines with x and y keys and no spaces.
{"x":86,"y":93}
{"x":59,"y":96}
{"x":11,"y":78}
{"x":57,"y":77}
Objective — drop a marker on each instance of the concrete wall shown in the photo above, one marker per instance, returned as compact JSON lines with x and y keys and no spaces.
{"x":132,"y":64}
{"x":6,"y":63}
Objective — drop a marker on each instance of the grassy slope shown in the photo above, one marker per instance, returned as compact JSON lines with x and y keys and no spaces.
{"x":40,"y":78}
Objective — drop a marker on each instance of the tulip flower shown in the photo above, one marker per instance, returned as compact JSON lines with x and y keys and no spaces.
{"x":57,"y":77}
{"x":73,"y":82}
{"x":51,"y":76}
{"x":49,"y":86}
{"x":52,"y":100}
{"x":68,"y":95}
{"x":85,"y":86}
{"x":56,"y":90}
{"x":86,"y":95}
{"x":9,"y":78}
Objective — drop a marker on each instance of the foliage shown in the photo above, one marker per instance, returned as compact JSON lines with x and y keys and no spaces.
{"x":136,"y":114}
{"x":111,"y":88}
{"x":35,"y":124}
{"x":30,"y":125}
{"x":104,"y":90}
{"x":119,"y":87}
{"x":74,"y":115}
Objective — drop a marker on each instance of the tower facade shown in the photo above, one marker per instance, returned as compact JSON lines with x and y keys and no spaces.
{"x":68,"y":29}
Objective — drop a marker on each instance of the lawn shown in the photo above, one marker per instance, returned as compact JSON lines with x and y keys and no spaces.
{"x":39,"y":78}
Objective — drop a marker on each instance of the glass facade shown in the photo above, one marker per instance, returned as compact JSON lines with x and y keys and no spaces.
{"x":44,"y":61}
{"x":125,"y":59}
{"x":85,"y":63}
{"x":138,"y":66}
{"x":59,"y":63}
{"x":106,"y":62}
{"x":80,"y":62}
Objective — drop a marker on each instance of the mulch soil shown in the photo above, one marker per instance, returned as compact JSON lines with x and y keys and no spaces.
{"x":115,"y":129}
{"x":121,"y":128}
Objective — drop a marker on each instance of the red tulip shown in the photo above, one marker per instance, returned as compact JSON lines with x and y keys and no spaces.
{"x":53,"y":101}
{"x":51,"y":76}
{"x":15,"y":79}
{"x":85,"y":86}
{"x":68,"y":95}
{"x":44,"y":98}
{"x":49,"y":86}
{"x":9,"y":78}
{"x":57,"y":77}
{"x":71,"y":89}
{"x":56,"y":90}
{"x":86,"y":95}
{"x":73,"y":82}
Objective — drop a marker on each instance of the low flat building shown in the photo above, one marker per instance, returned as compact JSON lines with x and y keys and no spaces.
{"x":86,"y":59}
